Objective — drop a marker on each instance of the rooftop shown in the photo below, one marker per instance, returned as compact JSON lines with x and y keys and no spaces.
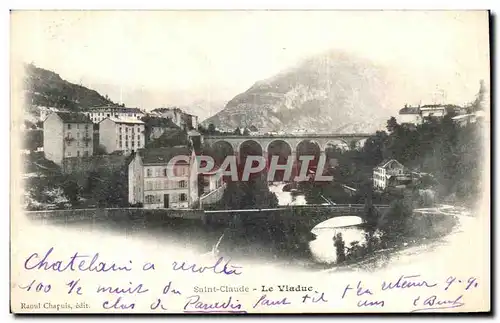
{"x":463,"y":116}
{"x":73,"y":117}
{"x":410,"y":110}
{"x":433,"y":107}
{"x":129,"y":120}
{"x":162,"y":155}
{"x":385,"y":162}
{"x":111,"y":107}
{"x":161,"y":122}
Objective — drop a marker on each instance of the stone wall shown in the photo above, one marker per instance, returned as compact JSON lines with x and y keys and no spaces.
{"x":118,"y":214}
{"x":87,"y":164}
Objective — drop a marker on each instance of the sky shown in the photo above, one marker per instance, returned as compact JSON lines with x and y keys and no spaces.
{"x":152,"y":58}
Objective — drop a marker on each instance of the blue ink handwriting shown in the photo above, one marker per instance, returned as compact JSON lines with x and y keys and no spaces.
{"x":367,"y":303}
{"x":264,"y":301}
{"x":117,"y":290}
{"x":406,"y":282}
{"x":117,"y":305}
{"x":167,"y":287}
{"x":194,"y":303}
{"x":471,"y":282}
{"x":315,"y":298}
{"x":73,"y":285}
{"x":40,"y":287}
{"x":434,"y":303}
{"x":360,"y":291}
{"x":79,"y":261}
{"x":216,"y":268}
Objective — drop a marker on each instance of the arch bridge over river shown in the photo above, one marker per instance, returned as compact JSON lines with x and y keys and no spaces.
{"x":303,"y":216}
{"x":322,"y":141}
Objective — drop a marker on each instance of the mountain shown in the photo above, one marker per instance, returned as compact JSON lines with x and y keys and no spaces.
{"x":198,"y":102}
{"x":46,"y":88}
{"x":203,"y":109}
{"x":332,"y":92}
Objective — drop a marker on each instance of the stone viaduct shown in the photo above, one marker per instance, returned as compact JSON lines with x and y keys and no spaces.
{"x":322,"y":141}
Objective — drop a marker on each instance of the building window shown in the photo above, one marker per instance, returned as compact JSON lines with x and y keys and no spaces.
{"x":86,"y":153}
{"x":148,"y":172}
{"x":133,"y":144}
{"x":164,"y":172}
{"x":158,"y":172}
{"x":138,"y":138}
{"x":86,"y":127}
{"x":86,"y":144}
{"x":69,"y":126}
{"x":77,"y":153}
{"x":120,"y":137}
{"x":149,"y":186}
{"x":69,"y":153}
{"x":182,"y":184}
{"x":138,"y":143}
{"x":150,"y":199}
{"x":182,"y":197}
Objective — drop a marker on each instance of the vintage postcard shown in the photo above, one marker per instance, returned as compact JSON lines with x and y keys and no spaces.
{"x":239,"y":162}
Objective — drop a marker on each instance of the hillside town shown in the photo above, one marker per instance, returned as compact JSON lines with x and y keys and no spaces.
{"x":111,"y":157}
{"x":142,"y":142}
{"x":197,"y":139}
{"x":115,"y":137}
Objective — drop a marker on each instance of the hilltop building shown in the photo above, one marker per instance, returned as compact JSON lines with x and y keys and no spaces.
{"x":182,"y":119}
{"x":417,"y":115}
{"x":67,"y":134}
{"x":97,"y":114}
{"x":156,"y":127}
{"x":46,"y":111}
{"x":410,"y":115}
{"x":121,"y":134}
{"x":389,"y":172}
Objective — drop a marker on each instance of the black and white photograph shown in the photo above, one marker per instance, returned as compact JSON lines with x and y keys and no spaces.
{"x":250,"y":161}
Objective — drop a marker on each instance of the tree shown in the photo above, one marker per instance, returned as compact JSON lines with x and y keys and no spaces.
{"x":72,"y":191}
{"x":202,"y":130}
{"x":33,"y":139}
{"x":374,"y":149}
{"x":339,"y":244}
{"x":99,"y":150}
{"x":251,"y":194}
{"x":211,"y":129}
{"x":253,"y":128}
{"x":478,"y":102}
{"x":112,"y":189}
{"x":394,"y":224}
{"x":237,"y":131}
{"x":246,"y":132}
{"x":392,"y":125}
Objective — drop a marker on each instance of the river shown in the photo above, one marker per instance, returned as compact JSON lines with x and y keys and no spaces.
{"x":192,"y":237}
{"x":322,"y":248}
